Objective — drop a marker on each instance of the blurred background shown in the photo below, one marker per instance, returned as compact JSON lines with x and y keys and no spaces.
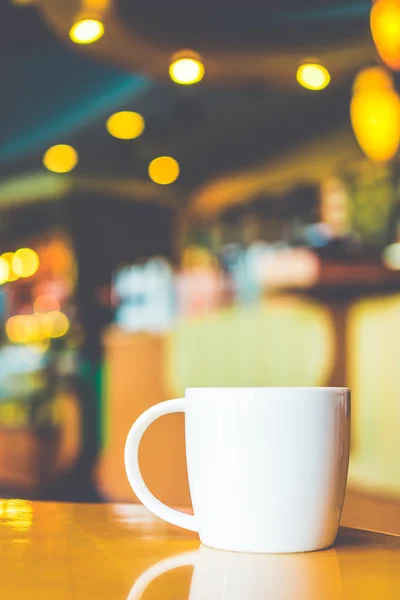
{"x":194,"y":194}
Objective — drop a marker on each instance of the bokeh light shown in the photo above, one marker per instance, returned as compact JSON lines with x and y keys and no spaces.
{"x":45,"y":303}
{"x":21,"y":328}
{"x":375,"y":114}
{"x":313,"y":76}
{"x":385,"y":27}
{"x":164,"y":170}
{"x":37,"y":327}
{"x":186,"y":68}
{"x":4,"y":270}
{"x":61,"y":158}
{"x":25,"y":262}
{"x":125,"y":125}
{"x":12,"y":262}
{"x":391,"y":257}
{"x":45,"y":322}
{"x":86,"y":31}
{"x":60,"y":324}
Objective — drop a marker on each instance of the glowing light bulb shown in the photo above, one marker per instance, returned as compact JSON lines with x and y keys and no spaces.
{"x":313,"y":76}
{"x":385,"y":27}
{"x":164,"y":170}
{"x":186,"y":68}
{"x":125,"y":125}
{"x":375,"y":114}
{"x":86,"y":31}
{"x":61,"y":158}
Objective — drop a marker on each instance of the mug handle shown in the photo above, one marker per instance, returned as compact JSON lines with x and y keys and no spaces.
{"x":133,"y":470}
{"x":168,"y":564}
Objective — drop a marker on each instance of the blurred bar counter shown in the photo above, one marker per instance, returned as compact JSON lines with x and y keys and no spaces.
{"x":343,"y":331}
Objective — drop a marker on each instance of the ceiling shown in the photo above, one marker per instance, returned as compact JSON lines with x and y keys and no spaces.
{"x":247,"y":116}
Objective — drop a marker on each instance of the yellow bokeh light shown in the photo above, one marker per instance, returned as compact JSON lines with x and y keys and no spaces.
{"x":313,"y":76}
{"x":61,"y":158}
{"x":125,"y":125}
{"x":60,"y":324}
{"x":86,"y":31}
{"x":11,"y":328}
{"x":25,"y":262}
{"x":375,"y":114}
{"x":45,"y":323}
{"x":37,"y":327}
{"x":186,"y":70}
{"x":4,"y":270}
{"x":12,"y":262}
{"x":385,"y":27}
{"x":164,"y":170}
{"x":22,"y":328}
{"x":372,"y":78}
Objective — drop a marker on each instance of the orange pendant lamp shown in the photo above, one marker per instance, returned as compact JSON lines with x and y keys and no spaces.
{"x":385,"y":27}
{"x":375,"y":114}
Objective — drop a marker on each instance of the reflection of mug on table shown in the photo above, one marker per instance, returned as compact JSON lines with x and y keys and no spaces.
{"x":221,"y":575}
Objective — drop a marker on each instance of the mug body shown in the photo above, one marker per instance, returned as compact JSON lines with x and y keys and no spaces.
{"x":267,"y":466}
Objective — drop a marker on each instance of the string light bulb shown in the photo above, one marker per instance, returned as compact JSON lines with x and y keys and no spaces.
{"x":61,"y":158}
{"x":186,"y":68}
{"x":313,"y":76}
{"x":86,"y":30}
{"x":125,"y":125}
{"x":164,"y":170}
{"x":375,"y":114}
{"x":385,"y":28}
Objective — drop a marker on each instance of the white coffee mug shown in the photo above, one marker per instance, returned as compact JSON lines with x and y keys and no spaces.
{"x":267,"y":466}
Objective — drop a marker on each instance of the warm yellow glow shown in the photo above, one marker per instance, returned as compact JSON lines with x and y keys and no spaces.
{"x":186,"y":70}
{"x":375,"y":114}
{"x":125,"y":125}
{"x":37,"y":327}
{"x":22,"y":329}
{"x":45,"y":322}
{"x":42,"y":346}
{"x":385,"y":27}
{"x":12,"y":262}
{"x":60,"y":324}
{"x":46,"y":302}
{"x":4,"y":270}
{"x":391,"y":257}
{"x":164,"y":170}
{"x":86,"y":31}
{"x":313,"y":76}
{"x":61,"y":158}
{"x":12,"y":329}
{"x":25,"y":262}
{"x":16,"y":514}
{"x":372,"y":78}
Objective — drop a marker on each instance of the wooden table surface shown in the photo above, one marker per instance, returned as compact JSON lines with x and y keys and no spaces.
{"x":120,"y":552}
